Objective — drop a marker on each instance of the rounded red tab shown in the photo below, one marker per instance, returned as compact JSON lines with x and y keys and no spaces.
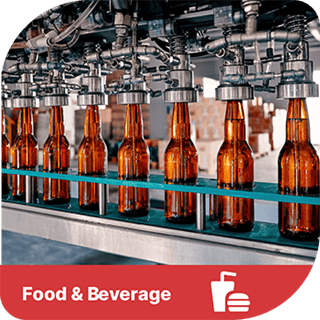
{"x":147,"y":292}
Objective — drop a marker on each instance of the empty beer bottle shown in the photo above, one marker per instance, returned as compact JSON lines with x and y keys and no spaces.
{"x":5,"y":149}
{"x":133,"y":164}
{"x":24,"y":152}
{"x":298,"y":175}
{"x":235,"y":171}
{"x":56,"y":158}
{"x":92,"y":158}
{"x":181,"y":166}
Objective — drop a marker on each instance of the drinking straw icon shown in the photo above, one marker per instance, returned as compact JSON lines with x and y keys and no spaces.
{"x":220,"y":289}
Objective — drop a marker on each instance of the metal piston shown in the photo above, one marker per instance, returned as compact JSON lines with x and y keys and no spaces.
{"x":93,"y":93}
{"x":296,"y":59}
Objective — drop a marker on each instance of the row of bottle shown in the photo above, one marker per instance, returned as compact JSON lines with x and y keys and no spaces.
{"x":298,"y":167}
{"x":56,"y":157}
{"x":298,"y":172}
{"x":92,"y":159}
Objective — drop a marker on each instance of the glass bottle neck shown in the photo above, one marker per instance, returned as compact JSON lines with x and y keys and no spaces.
{"x":180,"y":128}
{"x":3,"y":126}
{"x":56,"y":125}
{"x":298,"y":127}
{"x":133,"y":124}
{"x":235,"y":128}
{"x":92,"y":121}
{"x":25,"y":121}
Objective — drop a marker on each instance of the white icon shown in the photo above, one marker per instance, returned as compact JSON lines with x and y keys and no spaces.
{"x":237,"y":302}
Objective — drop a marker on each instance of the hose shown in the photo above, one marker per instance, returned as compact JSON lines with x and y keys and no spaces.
{"x":71,"y":43}
{"x":76,"y":24}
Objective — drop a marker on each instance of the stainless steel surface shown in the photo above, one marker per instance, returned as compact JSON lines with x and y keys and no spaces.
{"x":301,"y":88}
{"x":23,"y":89}
{"x":201,"y":211}
{"x":236,"y":92}
{"x":92,"y":92}
{"x":23,"y":102}
{"x":59,"y":100}
{"x":245,"y":39}
{"x":92,"y":99}
{"x":184,"y":77}
{"x":30,"y":189}
{"x":6,"y":103}
{"x":306,"y":66}
{"x":103,"y":199}
{"x":297,"y":90}
{"x":92,"y":84}
{"x":162,"y":245}
{"x":296,"y":58}
{"x":23,"y":97}
{"x":133,"y":97}
{"x":181,"y":95}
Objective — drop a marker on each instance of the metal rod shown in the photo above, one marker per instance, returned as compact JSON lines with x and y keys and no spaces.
{"x":29,"y":189}
{"x":103,"y":199}
{"x":242,"y":38}
{"x":201,"y":211}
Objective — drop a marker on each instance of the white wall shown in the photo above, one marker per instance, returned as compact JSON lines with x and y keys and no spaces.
{"x":314,"y":113}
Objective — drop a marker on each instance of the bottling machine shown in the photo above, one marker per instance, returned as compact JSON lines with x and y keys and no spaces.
{"x":85,"y":41}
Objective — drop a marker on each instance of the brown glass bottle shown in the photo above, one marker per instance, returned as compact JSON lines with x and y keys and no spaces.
{"x":24,"y":152}
{"x":133,"y":164}
{"x":298,"y":174}
{"x":235,"y":171}
{"x":5,"y":149}
{"x":181,"y":166}
{"x":92,"y":158}
{"x":56,"y":158}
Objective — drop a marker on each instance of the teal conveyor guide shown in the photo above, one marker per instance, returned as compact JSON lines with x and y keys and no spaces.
{"x":261,"y":191}
{"x":262,"y":232}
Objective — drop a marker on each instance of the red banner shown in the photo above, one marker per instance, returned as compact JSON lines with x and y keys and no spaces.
{"x":147,"y":292}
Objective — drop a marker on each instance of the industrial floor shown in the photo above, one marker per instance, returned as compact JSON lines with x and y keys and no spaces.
{"x":18,"y":249}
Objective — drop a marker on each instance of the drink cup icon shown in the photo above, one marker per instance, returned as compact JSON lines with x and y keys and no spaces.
{"x":220,"y":289}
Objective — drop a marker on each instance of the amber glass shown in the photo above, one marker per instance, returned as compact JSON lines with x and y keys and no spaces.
{"x":133,"y":164}
{"x":5,"y":149}
{"x":235,"y":171}
{"x":24,"y":152}
{"x":56,"y":158}
{"x":92,"y":159}
{"x":298,"y":175}
{"x":213,"y":207}
{"x":181,"y":166}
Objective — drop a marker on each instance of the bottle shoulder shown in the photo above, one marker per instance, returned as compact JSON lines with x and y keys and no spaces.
{"x":23,"y":139}
{"x":129,"y":144}
{"x":5,"y":141}
{"x":90,"y":146}
{"x":96,"y":141}
{"x":242,"y":148}
{"x":305,"y":151}
{"x":53,"y":141}
{"x":175,"y":146}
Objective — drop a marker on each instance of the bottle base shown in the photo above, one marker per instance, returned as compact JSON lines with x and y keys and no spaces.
{"x":56,"y":201}
{"x":236,"y":228}
{"x":21,"y":196}
{"x":182,"y":220}
{"x":134,"y":213}
{"x":90,"y":207}
{"x":300,"y":235}
{"x":5,"y":190}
